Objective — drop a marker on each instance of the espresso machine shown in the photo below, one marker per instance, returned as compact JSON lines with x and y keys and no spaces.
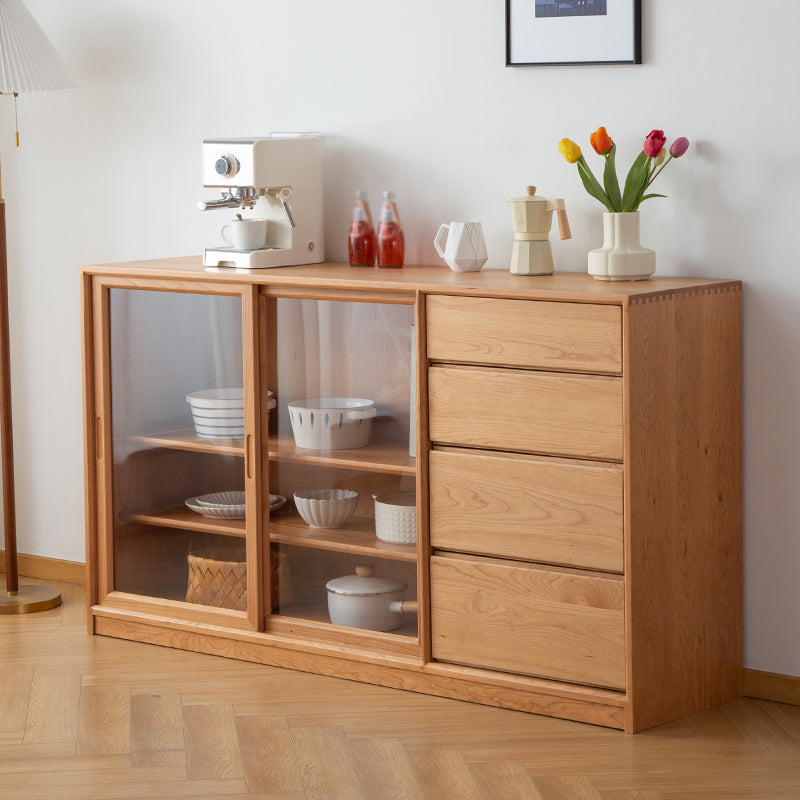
{"x":277,"y":178}
{"x":530,"y":220}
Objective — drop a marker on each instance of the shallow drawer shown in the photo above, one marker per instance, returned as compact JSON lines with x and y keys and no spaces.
{"x":525,"y":333}
{"x":526,"y":507}
{"x":564,"y":625}
{"x":540,"y":412}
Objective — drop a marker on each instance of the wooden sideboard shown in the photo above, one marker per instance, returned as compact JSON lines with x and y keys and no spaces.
{"x":574,"y":446}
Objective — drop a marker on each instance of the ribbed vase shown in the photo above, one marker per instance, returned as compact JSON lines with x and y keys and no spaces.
{"x":622,"y":257}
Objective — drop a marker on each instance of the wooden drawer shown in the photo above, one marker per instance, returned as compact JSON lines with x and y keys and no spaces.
{"x":561,"y":624}
{"x":540,"y":412}
{"x":575,"y":337}
{"x":526,"y":507}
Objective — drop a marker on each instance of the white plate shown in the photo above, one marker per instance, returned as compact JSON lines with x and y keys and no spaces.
{"x":221,"y":499}
{"x":224,"y":512}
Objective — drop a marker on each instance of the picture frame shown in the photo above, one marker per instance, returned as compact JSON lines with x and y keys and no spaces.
{"x":570,"y":32}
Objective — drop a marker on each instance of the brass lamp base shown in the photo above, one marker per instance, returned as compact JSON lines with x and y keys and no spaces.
{"x":29,"y":599}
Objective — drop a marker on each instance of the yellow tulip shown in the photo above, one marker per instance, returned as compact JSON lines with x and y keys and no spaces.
{"x":569,"y":150}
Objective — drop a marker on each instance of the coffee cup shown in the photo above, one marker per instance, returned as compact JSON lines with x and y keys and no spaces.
{"x":245,"y":234}
{"x":465,"y":248}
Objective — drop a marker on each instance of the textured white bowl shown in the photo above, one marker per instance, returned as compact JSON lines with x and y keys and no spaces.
{"x":396,"y":518}
{"x":326,"y":508}
{"x":331,"y":423}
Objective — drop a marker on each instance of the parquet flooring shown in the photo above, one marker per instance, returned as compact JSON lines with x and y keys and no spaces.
{"x":92,"y":718}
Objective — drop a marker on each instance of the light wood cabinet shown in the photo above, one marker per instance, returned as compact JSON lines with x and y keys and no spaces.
{"x":574,"y":447}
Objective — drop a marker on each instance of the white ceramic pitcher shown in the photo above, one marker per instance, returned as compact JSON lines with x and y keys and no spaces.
{"x":465,"y":249}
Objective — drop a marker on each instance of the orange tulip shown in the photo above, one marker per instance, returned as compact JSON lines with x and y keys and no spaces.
{"x":601,"y":141}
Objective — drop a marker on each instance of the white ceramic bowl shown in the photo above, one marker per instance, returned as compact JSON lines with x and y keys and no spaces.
{"x":326,"y":508}
{"x":396,"y":518}
{"x":217,"y":398}
{"x":219,"y":431}
{"x":331,"y":423}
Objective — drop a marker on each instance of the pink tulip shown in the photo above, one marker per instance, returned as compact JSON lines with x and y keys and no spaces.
{"x":679,"y":147}
{"x":654,"y":143}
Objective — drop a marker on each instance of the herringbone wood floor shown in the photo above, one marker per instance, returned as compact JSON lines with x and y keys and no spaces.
{"x":92,"y":718}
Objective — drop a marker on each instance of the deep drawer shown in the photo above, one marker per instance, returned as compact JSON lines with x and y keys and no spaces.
{"x":525,"y":333}
{"x":565,"y":625}
{"x":526,"y":507}
{"x":539,"y":412}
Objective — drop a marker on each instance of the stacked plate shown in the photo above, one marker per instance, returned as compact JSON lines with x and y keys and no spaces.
{"x":227,"y":505}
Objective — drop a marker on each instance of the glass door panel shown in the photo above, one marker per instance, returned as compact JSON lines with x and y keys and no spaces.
{"x":343,"y":434}
{"x":174,"y":537}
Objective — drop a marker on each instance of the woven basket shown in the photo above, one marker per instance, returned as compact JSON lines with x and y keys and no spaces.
{"x":216,"y":581}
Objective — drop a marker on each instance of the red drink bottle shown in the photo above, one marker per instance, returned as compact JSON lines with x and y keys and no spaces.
{"x":391,"y":242}
{"x":361,"y":240}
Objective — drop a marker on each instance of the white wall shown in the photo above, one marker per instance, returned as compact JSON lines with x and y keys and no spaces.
{"x":412,"y":96}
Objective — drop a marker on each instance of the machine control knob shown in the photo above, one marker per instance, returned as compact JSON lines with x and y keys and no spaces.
{"x":227,"y":165}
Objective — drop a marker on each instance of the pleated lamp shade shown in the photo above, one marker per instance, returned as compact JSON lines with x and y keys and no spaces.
{"x":28,"y":61}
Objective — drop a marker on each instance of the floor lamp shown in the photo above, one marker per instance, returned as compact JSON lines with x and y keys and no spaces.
{"x":28,"y":63}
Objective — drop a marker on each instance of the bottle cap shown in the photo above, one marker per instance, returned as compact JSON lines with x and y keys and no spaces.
{"x":387,"y":195}
{"x":362,"y":194}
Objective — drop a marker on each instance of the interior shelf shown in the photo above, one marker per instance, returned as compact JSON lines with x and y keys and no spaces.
{"x":358,"y":537}
{"x":186,"y":519}
{"x":187,"y":439}
{"x":391,"y":458}
{"x":318,"y":613}
{"x":388,"y":457}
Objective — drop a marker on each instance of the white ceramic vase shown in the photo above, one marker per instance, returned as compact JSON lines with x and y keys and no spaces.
{"x":621,"y":258}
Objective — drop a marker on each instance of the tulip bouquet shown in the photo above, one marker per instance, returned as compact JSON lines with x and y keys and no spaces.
{"x":648,"y":165}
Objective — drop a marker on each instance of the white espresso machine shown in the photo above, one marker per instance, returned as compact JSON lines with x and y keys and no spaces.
{"x":277,"y":178}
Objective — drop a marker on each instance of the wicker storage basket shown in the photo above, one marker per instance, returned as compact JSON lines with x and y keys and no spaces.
{"x":215,"y":580}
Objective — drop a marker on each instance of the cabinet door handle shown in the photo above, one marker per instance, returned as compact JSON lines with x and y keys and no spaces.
{"x":248,"y":456}
{"x":98,"y":438}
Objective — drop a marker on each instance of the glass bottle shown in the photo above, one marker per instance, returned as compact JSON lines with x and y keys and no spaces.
{"x":361,"y":239}
{"x":391,"y":243}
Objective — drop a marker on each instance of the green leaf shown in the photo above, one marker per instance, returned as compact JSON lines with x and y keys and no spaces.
{"x":646,"y":197}
{"x":591,"y":185}
{"x":635,"y":182}
{"x":611,"y":181}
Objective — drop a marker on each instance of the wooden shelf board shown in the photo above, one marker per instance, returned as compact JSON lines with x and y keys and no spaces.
{"x":318,"y":613}
{"x":357,"y":537}
{"x":186,"y":519}
{"x":389,"y":457}
{"x":188,"y":440}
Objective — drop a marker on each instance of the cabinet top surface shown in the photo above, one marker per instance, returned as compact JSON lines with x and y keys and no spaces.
{"x":574,"y":286}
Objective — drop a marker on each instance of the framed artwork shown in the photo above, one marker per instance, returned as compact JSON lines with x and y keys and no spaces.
{"x":558,"y":32}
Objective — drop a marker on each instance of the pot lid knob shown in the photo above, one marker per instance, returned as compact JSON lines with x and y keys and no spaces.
{"x":364,"y":570}
{"x":531,"y":190}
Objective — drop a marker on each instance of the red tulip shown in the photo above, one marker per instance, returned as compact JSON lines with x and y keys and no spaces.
{"x":654,"y":143}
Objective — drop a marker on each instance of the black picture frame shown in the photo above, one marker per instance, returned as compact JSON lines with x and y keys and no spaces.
{"x":573,"y":32}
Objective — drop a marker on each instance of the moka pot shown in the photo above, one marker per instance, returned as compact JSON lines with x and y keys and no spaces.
{"x":531,"y":217}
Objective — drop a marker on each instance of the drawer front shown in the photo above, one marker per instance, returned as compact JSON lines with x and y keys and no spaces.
{"x":528,"y":508}
{"x":540,"y":412}
{"x":525,"y":333}
{"x":563,"y":625}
